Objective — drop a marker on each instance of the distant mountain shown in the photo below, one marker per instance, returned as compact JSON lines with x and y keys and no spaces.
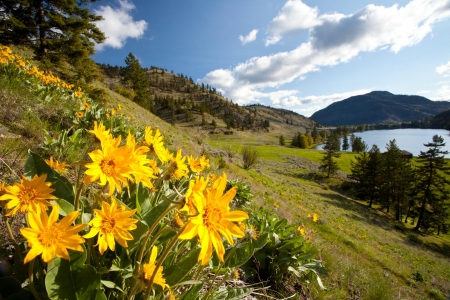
{"x":441,"y":121}
{"x":379,"y":107}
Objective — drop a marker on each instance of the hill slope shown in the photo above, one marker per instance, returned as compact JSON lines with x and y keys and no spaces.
{"x":379,"y":107}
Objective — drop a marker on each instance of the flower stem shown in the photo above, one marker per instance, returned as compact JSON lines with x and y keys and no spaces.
{"x":144,"y":244}
{"x":161,"y":260}
{"x":31,"y":278}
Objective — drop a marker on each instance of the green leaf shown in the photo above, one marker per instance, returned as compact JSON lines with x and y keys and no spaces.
{"x":73,"y":280}
{"x":111,"y":285}
{"x":155,"y":213}
{"x":176,"y":273}
{"x":35,"y":165}
{"x":244,"y":251}
{"x":138,"y":234}
{"x":65,"y":206}
{"x":232,"y":293}
{"x":192,"y":294}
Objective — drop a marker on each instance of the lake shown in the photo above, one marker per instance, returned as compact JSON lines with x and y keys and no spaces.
{"x":411,"y":140}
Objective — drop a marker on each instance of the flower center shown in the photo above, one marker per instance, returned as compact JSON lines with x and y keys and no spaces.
{"x":212,"y":217}
{"x":108,"y":166}
{"x":49,"y":237}
{"x":108,"y":224}
{"x":27,"y":195}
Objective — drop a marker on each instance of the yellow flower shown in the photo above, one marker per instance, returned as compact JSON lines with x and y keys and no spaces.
{"x":110,"y":164}
{"x":119,"y":107}
{"x":61,"y":167}
{"x":112,"y":223}
{"x":78,"y":94}
{"x":177,"y":168}
{"x":100,"y":132}
{"x":194,"y":194}
{"x":150,"y":268}
{"x":215,"y":219}
{"x":156,"y":145}
{"x":29,"y":195}
{"x":52,"y":239}
{"x":198,"y":164}
{"x":315,"y":217}
{"x":139,"y":163}
{"x":113,"y":112}
{"x":251,"y":232}
{"x":80,"y":114}
{"x":85,"y":106}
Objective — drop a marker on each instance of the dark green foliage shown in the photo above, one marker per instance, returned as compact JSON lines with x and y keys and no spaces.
{"x":282,"y":141}
{"x":345,"y":144}
{"x":357,"y":144}
{"x":135,"y":77}
{"x":432,"y":196}
{"x":285,"y":255}
{"x":397,"y":180}
{"x":366,"y":170}
{"x":57,"y":31}
{"x":332,"y":147}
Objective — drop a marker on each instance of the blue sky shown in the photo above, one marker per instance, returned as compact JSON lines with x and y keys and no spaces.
{"x":298,"y":55}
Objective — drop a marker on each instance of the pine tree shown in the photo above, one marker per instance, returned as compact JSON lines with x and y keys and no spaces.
{"x":345,"y":144}
{"x":282,"y":140}
{"x":58,"y":31}
{"x":433,"y":196}
{"x":134,"y":76}
{"x":332,"y":146}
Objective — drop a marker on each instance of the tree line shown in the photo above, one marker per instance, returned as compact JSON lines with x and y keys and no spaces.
{"x":415,"y":191}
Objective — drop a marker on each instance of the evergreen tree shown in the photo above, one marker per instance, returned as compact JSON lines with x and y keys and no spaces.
{"x":282,"y":140}
{"x":134,"y":76}
{"x":358,"y":145}
{"x":397,"y":179}
{"x":57,"y":31}
{"x":345,"y":144}
{"x":432,"y":187}
{"x":374,"y":174}
{"x":332,"y":146}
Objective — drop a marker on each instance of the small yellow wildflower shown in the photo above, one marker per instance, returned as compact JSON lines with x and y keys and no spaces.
{"x":49,"y":238}
{"x":178,"y":168}
{"x":85,"y":106}
{"x":149,"y":269}
{"x":61,"y":167}
{"x":29,"y":195}
{"x":80,"y":114}
{"x":112,"y":223}
{"x":198,"y":164}
{"x":315,"y":217}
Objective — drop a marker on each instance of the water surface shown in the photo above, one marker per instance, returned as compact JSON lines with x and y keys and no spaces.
{"x":410,"y":139}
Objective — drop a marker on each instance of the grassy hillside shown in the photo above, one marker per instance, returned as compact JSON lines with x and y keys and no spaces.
{"x":366,"y":254}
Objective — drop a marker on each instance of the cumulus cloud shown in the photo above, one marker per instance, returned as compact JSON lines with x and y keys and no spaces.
{"x":334,"y":39}
{"x":249,"y":37}
{"x":443,"y":69}
{"x":443,"y":93}
{"x":294,"y":17}
{"x":118,"y":25}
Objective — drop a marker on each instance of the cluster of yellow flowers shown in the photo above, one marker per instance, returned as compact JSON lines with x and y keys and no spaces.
{"x":8,"y":58}
{"x":202,"y":211}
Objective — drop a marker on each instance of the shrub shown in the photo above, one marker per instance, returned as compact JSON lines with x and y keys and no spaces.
{"x":243,"y":193}
{"x":249,"y":156}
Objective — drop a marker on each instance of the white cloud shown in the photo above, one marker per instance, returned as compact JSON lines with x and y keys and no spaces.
{"x":443,"y":68}
{"x":423,"y":92}
{"x":443,"y":93}
{"x":118,"y":25}
{"x":294,"y":17}
{"x":249,"y":37}
{"x":336,"y":39}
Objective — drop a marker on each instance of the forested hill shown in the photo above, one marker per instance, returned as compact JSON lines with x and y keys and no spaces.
{"x":379,"y":107}
{"x":177,"y":99}
{"x":441,"y":120}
